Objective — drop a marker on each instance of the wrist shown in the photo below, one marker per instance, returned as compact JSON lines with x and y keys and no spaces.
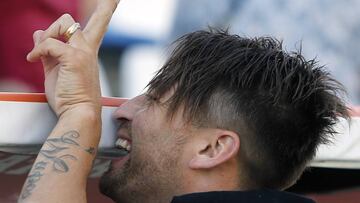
{"x":86,"y":114}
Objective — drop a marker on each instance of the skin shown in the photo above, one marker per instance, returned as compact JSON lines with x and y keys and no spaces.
{"x":152,"y":140}
{"x":169,"y":156}
{"x":60,"y":171}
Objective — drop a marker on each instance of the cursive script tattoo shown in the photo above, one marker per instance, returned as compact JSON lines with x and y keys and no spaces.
{"x":33,"y":177}
{"x":58,"y":145}
{"x":54,"y":152}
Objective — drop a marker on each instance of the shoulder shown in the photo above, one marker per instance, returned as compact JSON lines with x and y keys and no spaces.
{"x":254,"y":196}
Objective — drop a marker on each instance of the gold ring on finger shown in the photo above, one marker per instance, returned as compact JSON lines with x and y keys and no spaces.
{"x":71,"y":30}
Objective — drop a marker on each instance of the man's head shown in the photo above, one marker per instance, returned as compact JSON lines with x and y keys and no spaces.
{"x":224,"y":112}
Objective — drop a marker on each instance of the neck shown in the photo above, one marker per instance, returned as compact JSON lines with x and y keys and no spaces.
{"x":217,"y":179}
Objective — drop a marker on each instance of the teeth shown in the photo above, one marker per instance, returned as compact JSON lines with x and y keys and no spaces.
{"x":123,"y":144}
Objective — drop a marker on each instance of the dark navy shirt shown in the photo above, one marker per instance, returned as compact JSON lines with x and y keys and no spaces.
{"x":253,"y":196}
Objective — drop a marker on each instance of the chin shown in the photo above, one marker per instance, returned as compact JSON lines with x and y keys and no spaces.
{"x":114,"y":180}
{"x":106,"y":186}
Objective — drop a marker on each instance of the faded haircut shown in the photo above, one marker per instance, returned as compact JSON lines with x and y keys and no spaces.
{"x":281,"y":105}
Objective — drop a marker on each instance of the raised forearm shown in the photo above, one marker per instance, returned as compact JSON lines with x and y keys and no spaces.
{"x":60,"y":171}
{"x":72,"y":89}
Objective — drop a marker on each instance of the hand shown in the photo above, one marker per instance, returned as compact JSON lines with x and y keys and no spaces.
{"x":71,"y":69}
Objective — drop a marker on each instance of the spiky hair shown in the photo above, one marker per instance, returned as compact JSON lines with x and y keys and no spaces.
{"x":282,"y":105}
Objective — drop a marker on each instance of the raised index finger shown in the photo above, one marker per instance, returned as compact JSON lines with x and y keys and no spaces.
{"x":98,"y":22}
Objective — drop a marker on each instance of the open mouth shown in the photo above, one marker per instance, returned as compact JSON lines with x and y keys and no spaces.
{"x":123,"y":147}
{"x":123,"y":144}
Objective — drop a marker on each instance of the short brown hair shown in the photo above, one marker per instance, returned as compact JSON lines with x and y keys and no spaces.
{"x":283,"y":105}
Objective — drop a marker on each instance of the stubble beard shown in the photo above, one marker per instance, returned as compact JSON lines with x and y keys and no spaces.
{"x":146,"y":179}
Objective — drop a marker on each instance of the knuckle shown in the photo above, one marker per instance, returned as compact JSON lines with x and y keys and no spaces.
{"x":66,"y":16}
{"x":46,"y":46}
{"x":48,"y":42}
{"x":66,"y":20}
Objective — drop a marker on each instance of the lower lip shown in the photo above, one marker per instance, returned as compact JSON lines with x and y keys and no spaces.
{"x":120,"y":161}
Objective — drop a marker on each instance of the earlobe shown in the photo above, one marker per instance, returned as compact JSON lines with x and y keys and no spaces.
{"x":221,"y":147}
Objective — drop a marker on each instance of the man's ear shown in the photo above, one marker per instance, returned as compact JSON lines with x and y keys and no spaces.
{"x":215,"y":148}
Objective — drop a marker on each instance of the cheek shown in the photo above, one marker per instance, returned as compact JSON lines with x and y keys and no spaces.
{"x":152,"y":134}
{"x":151,"y":138}
{"x":143,"y":141}
{"x":149,"y":124}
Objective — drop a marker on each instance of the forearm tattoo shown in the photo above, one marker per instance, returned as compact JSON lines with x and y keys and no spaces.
{"x":33,"y":177}
{"x":54,"y":154}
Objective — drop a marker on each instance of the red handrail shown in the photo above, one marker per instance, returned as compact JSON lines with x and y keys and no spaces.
{"x":40,"y":97}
